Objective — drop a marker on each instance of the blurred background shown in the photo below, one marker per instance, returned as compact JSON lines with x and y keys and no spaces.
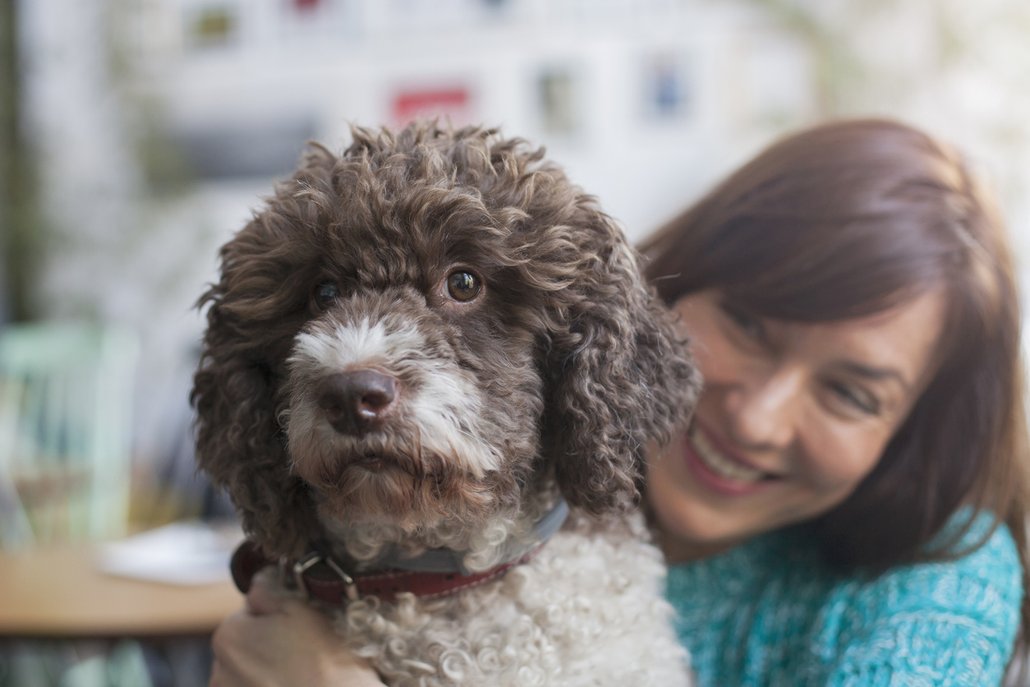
{"x":137,"y":135}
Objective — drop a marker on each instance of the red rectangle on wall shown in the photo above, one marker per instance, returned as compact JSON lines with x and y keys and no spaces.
{"x":446,"y":103}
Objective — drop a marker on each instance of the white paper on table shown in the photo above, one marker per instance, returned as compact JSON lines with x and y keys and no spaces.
{"x":182,"y":553}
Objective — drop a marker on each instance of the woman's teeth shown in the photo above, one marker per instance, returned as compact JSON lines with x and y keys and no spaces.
{"x":722,"y":467}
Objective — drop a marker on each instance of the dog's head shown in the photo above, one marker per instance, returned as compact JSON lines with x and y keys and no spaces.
{"x":418,"y":330}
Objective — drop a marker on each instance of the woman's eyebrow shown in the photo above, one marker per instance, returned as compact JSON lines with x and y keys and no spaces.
{"x":876,"y":373}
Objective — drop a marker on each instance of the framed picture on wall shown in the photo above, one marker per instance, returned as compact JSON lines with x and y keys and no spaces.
{"x":212,"y":25}
{"x":666,"y":86}
{"x":309,"y":23}
{"x":559,"y":98}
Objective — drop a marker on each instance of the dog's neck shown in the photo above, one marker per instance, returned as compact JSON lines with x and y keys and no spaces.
{"x":495,"y":540}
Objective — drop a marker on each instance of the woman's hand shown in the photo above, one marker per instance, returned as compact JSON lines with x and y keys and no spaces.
{"x":278,"y":641}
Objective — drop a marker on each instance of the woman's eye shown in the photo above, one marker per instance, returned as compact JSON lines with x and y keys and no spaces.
{"x":856,"y":398}
{"x":748,"y":324}
{"x":463,"y":286}
{"x":326,"y":293}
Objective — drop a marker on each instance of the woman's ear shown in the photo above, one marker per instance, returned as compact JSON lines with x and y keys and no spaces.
{"x":618,"y":374}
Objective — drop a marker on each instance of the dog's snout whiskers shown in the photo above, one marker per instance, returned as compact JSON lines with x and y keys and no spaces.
{"x":356,"y":401}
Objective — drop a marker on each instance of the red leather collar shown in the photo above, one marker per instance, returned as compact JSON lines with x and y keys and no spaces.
{"x":321,"y":578}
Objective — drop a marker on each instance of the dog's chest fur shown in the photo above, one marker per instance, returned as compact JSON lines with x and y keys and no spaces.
{"x":588,"y":609}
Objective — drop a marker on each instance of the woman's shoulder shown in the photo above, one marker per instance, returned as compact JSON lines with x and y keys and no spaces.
{"x":982,"y":578}
{"x":957,"y":618}
{"x":809,"y":625}
{"x":983,"y":553}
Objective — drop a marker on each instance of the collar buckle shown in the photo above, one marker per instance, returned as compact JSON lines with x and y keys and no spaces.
{"x":302,"y":566}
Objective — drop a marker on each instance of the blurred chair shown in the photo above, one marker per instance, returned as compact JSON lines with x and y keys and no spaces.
{"x":66,"y":396}
{"x":65,"y":408}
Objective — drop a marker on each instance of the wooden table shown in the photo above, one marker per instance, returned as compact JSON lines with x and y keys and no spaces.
{"x":61,"y":593}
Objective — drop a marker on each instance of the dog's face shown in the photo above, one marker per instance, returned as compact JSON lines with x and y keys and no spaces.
{"x":421,"y":329}
{"x":412,"y":391}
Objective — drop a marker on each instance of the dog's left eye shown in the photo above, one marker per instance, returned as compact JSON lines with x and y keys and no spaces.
{"x":326,"y":293}
{"x":463,"y":286}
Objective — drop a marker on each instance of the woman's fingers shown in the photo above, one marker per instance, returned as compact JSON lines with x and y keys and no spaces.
{"x":237,"y":645}
{"x":280,"y":641}
{"x":265,"y":596}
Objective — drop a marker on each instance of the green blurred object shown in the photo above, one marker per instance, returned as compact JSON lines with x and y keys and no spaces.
{"x":65,"y":428}
{"x":66,"y":394}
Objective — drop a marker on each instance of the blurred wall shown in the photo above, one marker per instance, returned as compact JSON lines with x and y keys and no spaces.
{"x":158,"y":124}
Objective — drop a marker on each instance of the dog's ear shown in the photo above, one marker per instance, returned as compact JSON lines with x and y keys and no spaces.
{"x":619,"y":374}
{"x":253,"y":313}
{"x":239,"y":446}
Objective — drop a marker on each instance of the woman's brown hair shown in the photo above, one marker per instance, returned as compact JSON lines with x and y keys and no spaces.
{"x":848,"y":219}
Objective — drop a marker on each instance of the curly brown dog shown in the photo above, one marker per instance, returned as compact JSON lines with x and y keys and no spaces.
{"x":418,"y":353}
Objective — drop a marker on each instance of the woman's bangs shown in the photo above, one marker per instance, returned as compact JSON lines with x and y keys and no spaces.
{"x":815,"y":274}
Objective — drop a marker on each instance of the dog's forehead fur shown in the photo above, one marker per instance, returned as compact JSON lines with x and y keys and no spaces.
{"x":406,"y":210}
{"x":400,"y":209}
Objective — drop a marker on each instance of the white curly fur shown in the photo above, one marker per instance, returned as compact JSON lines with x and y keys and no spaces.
{"x":587,"y":611}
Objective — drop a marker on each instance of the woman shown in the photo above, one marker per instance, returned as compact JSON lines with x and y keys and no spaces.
{"x":848,"y":503}
{"x":851,"y":296}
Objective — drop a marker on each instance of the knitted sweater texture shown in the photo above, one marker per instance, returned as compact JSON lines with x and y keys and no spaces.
{"x":770,"y":614}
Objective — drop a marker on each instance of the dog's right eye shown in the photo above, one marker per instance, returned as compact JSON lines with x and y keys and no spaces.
{"x":326,"y":293}
{"x":463,"y":286}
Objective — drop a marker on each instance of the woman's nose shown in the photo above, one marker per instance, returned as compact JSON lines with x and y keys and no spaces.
{"x":763,"y":410}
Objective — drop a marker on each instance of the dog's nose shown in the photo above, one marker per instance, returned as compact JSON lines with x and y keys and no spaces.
{"x":355,"y":402}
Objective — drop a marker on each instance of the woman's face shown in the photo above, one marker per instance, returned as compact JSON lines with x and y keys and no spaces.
{"x":792,"y":416}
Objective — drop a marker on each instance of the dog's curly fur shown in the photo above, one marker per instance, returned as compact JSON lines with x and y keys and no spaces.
{"x":552,"y":379}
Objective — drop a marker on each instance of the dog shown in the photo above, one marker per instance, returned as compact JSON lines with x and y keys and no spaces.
{"x":429,"y":375}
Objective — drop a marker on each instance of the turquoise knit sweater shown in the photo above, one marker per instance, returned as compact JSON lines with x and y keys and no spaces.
{"x":768,"y":613}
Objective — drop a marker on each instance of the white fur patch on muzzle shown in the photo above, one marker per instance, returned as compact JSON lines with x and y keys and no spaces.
{"x":437,"y":401}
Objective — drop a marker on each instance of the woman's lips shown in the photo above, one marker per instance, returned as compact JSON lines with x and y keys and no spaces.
{"x":719,"y":472}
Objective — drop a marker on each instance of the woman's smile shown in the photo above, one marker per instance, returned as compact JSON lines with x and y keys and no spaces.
{"x":721,"y":470}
